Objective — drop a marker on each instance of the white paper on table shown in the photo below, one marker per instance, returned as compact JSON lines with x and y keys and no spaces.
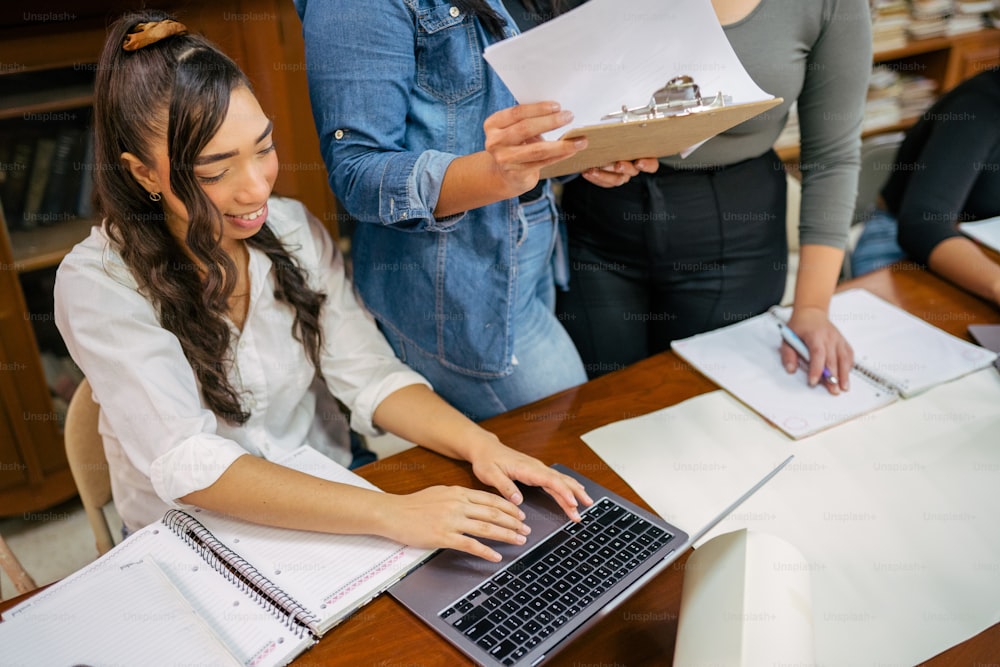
{"x":897,"y":512}
{"x":746,"y":602}
{"x":606,"y":53}
{"x":985,"y":231}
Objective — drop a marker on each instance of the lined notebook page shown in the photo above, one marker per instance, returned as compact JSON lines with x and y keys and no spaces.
{"x":902,"y":348}
{"x":251,"y":633}
{"x":129,"y":615}
{"x":330,"y":575}
{"x":743,"y":358}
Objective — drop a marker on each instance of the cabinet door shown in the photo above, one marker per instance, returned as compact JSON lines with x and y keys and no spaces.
{"x":973,"y":55}
{"x":13,"y":470}
{"x":34,"y":473}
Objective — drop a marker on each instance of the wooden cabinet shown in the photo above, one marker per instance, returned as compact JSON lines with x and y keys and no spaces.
{"x":971,"y":54}
{"x":40,"y":44}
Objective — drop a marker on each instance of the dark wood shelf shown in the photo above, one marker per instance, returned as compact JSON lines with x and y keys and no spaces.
{"x":913,"y":48}
{"x":46,"y":245}
{"x":916,"y":47}
{"x":46,"y":101}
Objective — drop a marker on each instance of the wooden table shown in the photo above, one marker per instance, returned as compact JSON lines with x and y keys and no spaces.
{"x":641,"y":631}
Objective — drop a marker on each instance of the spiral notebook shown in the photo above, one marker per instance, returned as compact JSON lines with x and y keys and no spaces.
{"x":267,"y":594}
{"x":897,"y":355}
{"x":175,"y":631}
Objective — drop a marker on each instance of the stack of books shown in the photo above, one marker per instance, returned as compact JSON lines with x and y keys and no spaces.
{"x":918,"y":94}
{"x":46,"y":157}
{"x":930,"y":18}
{"x":882,"y":107}
{"x":890,"y":19}
{"x":970,"y":16}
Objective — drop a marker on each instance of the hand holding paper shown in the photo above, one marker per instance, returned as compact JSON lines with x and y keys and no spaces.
{"x":604,"y":55}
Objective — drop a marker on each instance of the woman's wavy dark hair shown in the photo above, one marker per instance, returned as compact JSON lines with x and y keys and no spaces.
{"x":179,"y":88}
{"x":494,"y":23}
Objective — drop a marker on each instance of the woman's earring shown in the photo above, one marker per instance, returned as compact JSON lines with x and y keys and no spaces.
{"x":155,"y":196}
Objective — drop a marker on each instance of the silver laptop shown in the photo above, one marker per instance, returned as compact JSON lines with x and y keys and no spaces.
{"x":567,"y":577}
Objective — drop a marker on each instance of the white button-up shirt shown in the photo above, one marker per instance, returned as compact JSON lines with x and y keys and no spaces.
{"x":161,"y":440}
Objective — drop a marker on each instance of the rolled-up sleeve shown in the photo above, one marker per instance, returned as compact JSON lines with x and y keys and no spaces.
{"x":361,"y":112}
{"x":195,"y":464}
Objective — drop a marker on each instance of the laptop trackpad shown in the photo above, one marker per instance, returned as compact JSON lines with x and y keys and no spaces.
{"x":451,"y":573}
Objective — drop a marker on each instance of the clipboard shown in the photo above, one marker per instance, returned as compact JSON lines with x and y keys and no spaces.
{"x":653,"y":137}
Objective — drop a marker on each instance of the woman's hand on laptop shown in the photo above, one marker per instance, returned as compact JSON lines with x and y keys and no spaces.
{"x":451,"y":517}
{"x":499,"y":466}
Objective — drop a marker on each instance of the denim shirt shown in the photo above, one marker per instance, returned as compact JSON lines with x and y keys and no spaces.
{"x":399,"y":89}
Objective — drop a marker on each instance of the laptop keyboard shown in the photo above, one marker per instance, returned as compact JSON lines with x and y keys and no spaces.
{"x":545,"y":588}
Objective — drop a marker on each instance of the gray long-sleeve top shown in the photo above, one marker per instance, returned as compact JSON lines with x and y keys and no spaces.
{"x":818,"y":52}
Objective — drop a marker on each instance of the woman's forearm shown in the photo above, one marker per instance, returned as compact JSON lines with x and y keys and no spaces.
{"x":962,"y":262}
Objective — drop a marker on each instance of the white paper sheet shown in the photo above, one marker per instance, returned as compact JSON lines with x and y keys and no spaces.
{"x":897,"y":512}
{"x":120,"y":616}
{"x":747,"y":602}
{"x":986,"y":231}
{"x":607,"y":53}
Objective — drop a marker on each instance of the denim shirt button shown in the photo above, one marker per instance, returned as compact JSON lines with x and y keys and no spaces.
{"x":339,"y":134}
{"x":454,"y":12}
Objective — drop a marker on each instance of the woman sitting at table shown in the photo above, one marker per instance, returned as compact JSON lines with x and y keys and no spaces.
{"x":203,"y":308}
{"x":947,"y":170}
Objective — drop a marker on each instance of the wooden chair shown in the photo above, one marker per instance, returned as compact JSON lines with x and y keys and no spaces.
{"x":87,"y":462}
{"x":13,"y":568}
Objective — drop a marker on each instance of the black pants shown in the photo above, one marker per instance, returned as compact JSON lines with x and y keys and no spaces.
{"x":669,"y":255}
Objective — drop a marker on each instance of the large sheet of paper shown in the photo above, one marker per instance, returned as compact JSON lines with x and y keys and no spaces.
{"x":607,"y":53}
{"x":897,"y":512}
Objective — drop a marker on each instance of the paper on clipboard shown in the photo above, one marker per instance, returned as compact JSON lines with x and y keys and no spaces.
{"x":608,"y":53}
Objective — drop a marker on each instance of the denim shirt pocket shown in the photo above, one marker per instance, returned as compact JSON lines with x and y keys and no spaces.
{"x":449,"y":64}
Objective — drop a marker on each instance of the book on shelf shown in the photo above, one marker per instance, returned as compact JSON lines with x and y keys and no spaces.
{"x":267,"y":594}
{"x":897,"y":355}
{"x":15,"y":187}
{"x":44,"y":169}
{"x":41,"y":167}
{"x":889,"y":22}
{"x":61,"y":190}
{"x":929,"y":18}
{"x":84,"y":203}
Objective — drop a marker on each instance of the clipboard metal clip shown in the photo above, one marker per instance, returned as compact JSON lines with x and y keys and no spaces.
{"x":680,"y":95}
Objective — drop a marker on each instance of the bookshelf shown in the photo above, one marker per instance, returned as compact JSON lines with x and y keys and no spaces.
{"x":945,"y":61}
{"x":47,"y":58}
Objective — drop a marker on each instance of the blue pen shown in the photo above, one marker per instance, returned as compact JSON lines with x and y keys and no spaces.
{"x":800,"y":348}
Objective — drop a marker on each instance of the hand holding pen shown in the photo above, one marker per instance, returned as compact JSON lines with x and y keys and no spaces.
{"x":835,"y":374}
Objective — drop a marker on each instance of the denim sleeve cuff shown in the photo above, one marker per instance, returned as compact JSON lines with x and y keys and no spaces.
{"x":195,"y":464}
{"x":414,"y":199}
